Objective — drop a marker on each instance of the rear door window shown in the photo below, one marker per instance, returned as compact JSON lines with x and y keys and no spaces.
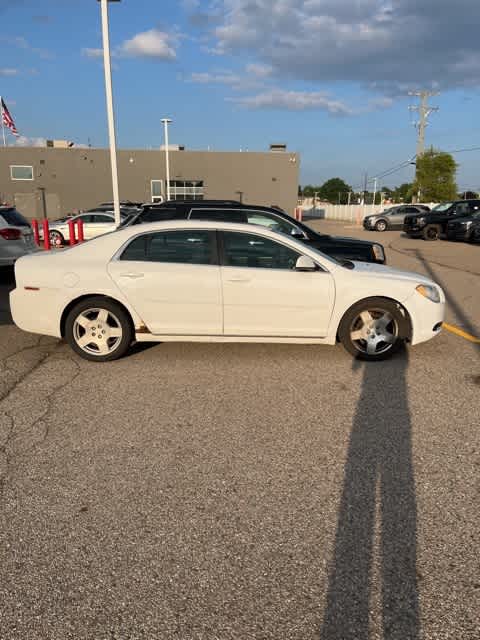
{"x":183,"y":247}
{"x":162,"y":213}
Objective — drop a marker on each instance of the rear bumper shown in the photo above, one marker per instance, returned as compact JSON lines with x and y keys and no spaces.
{"x":12,"y":250}
{"x":37,"y":311}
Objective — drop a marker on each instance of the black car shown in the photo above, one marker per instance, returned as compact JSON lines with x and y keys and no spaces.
{"x":271,"y":217}
{"x":466,"y":229}
{"x":430,"y":226}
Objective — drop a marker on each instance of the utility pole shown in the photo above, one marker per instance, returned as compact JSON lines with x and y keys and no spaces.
{"x":374,"y":190}
{"x":424,"y":111}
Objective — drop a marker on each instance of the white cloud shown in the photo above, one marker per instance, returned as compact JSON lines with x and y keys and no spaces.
{"x":153,"y":44}
{"x":293,"y":101}
{"x":259,"y":70}
{"x":90,"y":52}
{"x":25,"y":141}
{"x":392,"y":44}
{"x":8,"y":72}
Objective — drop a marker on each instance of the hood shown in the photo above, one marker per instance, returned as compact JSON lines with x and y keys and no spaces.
{"x":354,"y":242}
{"x":382,"y":270}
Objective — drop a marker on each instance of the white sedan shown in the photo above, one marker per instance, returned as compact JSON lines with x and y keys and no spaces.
{"x":94,"y":224}
{"x":218,"y":282}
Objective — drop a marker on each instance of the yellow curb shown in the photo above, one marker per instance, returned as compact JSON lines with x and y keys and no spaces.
{"x":459,"y":332}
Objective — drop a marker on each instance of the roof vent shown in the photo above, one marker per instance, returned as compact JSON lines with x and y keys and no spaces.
{"x":278,"y":148}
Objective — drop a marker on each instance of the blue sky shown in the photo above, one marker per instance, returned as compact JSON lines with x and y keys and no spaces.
{"x":328,"y":77}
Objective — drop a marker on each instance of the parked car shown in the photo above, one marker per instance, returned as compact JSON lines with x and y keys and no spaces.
{"x":393,"y":217}
{"x":219,"y":282}
{"x":94,"y":224}
{"x":466,"y":229}
{"x":16,"y":237}
{"x":272,"y":217}
{"x":126,"y":207}
{"x":431,"y":225}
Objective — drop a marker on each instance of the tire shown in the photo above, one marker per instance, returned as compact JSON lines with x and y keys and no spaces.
{"x":431,"y":232}
{"x":364,"y":324}
{"x":106,"y":323}
{"x":474,"y":236}
{"x":381,"y":225}
{"x":56,"y":238}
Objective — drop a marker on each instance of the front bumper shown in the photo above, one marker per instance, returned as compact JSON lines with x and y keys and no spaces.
{"x":426,"y":316}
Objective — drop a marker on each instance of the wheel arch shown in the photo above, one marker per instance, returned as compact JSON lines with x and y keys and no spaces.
{"x":86,"y":296}
{"x":408,"y":328}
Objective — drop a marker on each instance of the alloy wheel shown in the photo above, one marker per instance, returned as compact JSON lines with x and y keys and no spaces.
{"x":374,"y":331}
{"x":97,"y":331}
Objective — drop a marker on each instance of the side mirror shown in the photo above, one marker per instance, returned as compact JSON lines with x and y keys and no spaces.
{"x":305,"y":263}
{"x":297,"y":233}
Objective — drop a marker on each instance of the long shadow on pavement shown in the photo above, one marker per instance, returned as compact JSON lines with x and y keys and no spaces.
{"x":379,"y":463}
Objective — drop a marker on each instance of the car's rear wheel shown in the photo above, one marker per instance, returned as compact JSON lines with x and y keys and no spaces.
{"x":99,"y":329}
{"x":56,"y":238}
{"x":373,"y":329}
{"x":431,"y":232}
{"x":381,"y":225}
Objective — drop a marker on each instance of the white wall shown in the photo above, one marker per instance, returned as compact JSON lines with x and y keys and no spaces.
{"x":345,"y":212}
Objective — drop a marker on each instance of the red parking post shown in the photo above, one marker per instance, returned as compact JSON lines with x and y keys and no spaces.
{"x":36,"y":234}
{"x":46,"y":234}
{"x":80,"y":230}
{"x":71,"y":232}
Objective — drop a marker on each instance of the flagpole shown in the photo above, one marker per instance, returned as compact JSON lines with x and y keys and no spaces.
{"x":3,"y":124}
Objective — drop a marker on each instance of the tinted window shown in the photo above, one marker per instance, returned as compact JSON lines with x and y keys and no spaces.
{"x":86,"y":218}
{"x":226,"y":215}
{"x":410,"y":210}
{"x":462,"y":208}
{"x":12,"y":217}
{"x":99,"y":218}
{"x":250,"y":250}
{"x":162,"y":213}
{"x":186,"y":247}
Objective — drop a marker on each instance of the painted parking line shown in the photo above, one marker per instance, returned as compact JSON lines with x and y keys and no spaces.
{"x":459,"y":332}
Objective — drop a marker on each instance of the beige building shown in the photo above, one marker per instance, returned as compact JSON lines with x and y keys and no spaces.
{"x":61,"y":180}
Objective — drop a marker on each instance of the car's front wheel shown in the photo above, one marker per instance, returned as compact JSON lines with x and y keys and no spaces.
{"x":381,"y":225}
{"x":373,"y":329}
{"x":99,"y":329}
{"x":431,"y":232}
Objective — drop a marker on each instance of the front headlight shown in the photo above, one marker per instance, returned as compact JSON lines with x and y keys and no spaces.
{"x":467,"y":224}
{"x":429,"y":291}
{"x":378,"y":252}
{"x":421,"y":220}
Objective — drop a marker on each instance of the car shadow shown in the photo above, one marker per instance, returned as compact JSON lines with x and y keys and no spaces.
{"x":378,"y":479}
{"x":7,"y":283}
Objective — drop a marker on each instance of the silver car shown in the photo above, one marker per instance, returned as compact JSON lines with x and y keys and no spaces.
{"x":392,"y":218}
{"x":16,"y":237}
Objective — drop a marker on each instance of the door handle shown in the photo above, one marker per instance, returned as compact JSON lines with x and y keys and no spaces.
{"x":238,"y":279}
{"x":131,"y":275}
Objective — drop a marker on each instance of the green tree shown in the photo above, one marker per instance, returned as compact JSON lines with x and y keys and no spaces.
{"x":334,"y":190}
{"x":435,"y":176}
{"x":404,"y":192}
{"x":308,"y":191}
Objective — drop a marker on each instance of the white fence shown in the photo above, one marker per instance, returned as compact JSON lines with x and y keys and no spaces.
{"x":347,"y":213}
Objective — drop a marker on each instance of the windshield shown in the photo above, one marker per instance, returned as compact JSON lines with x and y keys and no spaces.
{"x":442,"y":207}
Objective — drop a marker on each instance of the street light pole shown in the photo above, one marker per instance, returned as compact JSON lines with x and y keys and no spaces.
{"x":110,"y":113}
{"x":166,"y":122}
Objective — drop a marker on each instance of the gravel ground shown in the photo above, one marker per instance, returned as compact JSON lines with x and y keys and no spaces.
{"x":242,"y":492}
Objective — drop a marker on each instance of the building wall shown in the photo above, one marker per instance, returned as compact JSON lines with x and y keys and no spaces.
{"x":81,"y":178}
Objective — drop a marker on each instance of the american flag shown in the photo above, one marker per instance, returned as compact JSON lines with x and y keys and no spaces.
{"x":7,"y":119}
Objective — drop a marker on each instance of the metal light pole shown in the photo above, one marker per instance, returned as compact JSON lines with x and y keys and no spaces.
{"x":110,"y":112}
{"x":166,"y":122}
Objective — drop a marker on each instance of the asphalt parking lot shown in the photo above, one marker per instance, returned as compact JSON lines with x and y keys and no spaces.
{"x":276,"y":492}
